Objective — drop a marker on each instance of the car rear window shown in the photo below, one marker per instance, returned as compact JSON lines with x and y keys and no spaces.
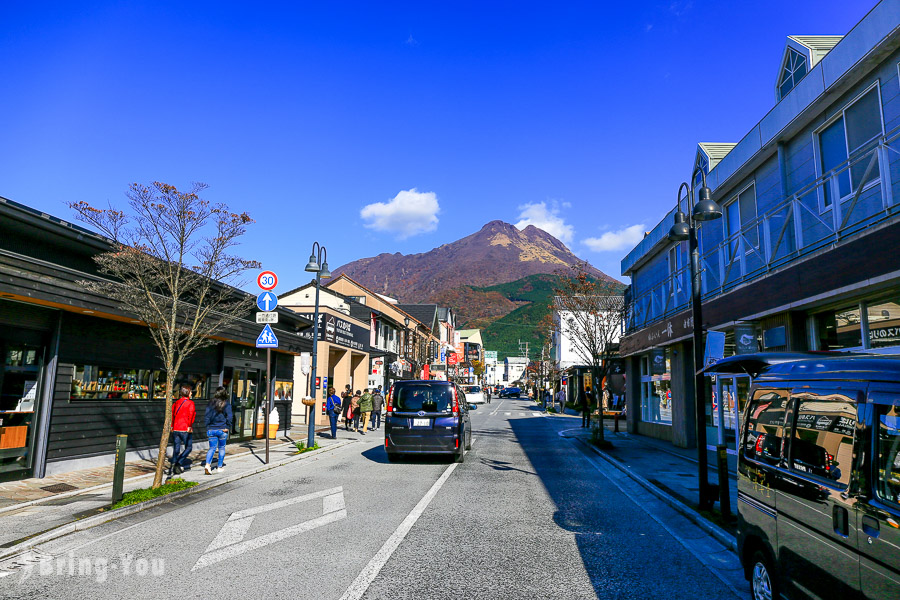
{"x":426,"y":397}
{"x":474,"y":389}
{"x":764,"y":436}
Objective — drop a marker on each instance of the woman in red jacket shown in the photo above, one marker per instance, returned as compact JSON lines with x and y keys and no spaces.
{"x":183,"y":414}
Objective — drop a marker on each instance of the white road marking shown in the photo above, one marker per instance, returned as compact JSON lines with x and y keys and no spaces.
{"x":230,"y":543}
{"x":535,"y":414}
{"x":507,"y":414}
{"x":371,"y":570}
{"x":498,"y":407}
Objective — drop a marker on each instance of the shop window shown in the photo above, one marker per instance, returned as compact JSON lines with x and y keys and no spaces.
{"x":887,"y":449}
{"x":822,"y":441}
{"x":92,"y":382}
{"x":840,"y":329}
{"x":764,"y":438}
{"x":656,"y":391}
{"x":884,"y":323}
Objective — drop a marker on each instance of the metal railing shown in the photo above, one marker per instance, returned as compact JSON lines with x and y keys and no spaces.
{"x":817,"y":216}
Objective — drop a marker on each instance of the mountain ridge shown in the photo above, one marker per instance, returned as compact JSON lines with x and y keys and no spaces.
{"x":497,"y":253}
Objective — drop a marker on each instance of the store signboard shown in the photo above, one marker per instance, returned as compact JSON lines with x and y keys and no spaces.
{"x":745,"y":339}
{"x":657,"y":361}
{"x":341,"y":332}
{"x":490,"y":356}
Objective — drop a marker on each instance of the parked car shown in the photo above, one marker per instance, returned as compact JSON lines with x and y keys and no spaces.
{"x":510,"y":392}
{"x":427,"y":417}
{"x":475,"y":395}
{"x":819,"y":475}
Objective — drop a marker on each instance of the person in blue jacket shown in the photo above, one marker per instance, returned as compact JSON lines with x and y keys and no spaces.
{"x":218,"y":424}
{"x":333,"y":410}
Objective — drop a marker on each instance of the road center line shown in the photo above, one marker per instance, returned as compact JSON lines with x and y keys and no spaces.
{"x":371,"y":570}
{"x":498,"y":407}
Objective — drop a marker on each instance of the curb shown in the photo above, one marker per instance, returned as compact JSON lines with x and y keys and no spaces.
{"x":714,"y":531}
{"x":125,"y":511}
{"x":100,"y":486}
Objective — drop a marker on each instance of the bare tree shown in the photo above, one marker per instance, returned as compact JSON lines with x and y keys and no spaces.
{"x":590,"y":315}
{"x":170,"y":265}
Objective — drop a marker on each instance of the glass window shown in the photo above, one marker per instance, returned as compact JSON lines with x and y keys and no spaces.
{"x":839,"y":329}
{"x":91,"y":382}
{"x":764,"y":437}
{"x":887,"y":448}
{"x":855,"y":132}
{"x":740,"y":218}
{"x":884,"y":323}
{"x":656,"y":392}
{"x":793,"y":72}
{"x":822,"y":443}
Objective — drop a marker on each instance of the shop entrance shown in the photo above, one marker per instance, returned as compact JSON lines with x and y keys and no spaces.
{"x":247,"y":394}
{"x":21,"y":378}
{"x":729,"y":400}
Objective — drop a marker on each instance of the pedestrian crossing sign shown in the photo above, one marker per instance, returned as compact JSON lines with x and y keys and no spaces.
{"x":267,"y":338}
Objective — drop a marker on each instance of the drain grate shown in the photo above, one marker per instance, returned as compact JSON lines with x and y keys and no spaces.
{"x":58,"y":488}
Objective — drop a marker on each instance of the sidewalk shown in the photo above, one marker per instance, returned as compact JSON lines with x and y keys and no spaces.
{"x":672,"y":471}
{"x":32,"y":506}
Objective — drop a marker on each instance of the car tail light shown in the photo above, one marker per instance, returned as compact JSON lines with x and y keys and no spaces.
{"x":457,"y":443}
{"x":385,"y":442}
{"x":455,"y":402}
{"x":390,"y":402}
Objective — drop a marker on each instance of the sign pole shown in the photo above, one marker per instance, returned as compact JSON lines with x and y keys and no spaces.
{"x":268,"y":397}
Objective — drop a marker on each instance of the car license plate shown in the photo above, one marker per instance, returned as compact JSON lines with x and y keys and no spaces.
{"x":421,"y":422}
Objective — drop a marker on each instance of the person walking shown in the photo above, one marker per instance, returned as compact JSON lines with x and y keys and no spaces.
{"x":584,"y":402}
{"x":365,"y":411}
{"x":354,"y":410}
{"x":377,"y":405}
{"x":561,"y":398}
{"x":183,"y":414}
{"x":218,"y":423}
{"x":346,"y":397}
{"x":333,"y":410}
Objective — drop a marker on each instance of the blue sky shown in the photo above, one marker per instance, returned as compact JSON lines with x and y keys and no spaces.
{"x":389,"y":127}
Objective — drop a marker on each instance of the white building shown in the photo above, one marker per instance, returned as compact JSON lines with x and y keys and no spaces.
{"x":514,"y":368}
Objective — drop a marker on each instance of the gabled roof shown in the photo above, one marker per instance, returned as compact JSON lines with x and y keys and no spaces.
{"x":714,"y":151}
{"x":819,"y":45}
{"x":425,"y":313}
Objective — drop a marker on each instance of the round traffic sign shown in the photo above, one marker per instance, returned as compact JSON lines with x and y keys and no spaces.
{"x":267,"y":280}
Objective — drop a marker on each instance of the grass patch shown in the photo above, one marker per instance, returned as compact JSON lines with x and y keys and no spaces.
{"x":144,"y":494}
{"x":551,"y":409}
{"x":301,"y":447}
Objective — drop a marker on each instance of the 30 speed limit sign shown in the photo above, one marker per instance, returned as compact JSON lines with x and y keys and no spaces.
{"x":267,"y":280}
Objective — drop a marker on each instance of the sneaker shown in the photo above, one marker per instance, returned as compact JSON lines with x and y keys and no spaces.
{"x":178,"y":470}
{"x":220,"y":469}
{"x":216,"y":470}
{"x":208,"y":471}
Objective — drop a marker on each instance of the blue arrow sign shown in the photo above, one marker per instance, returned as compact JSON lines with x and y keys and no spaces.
{"x":267,"y":301}
{"x":267,"y":338}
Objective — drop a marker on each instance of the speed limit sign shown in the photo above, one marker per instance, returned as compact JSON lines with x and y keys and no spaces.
{"x":267,"y":280}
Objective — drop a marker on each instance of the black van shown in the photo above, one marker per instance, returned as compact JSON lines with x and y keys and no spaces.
{"x":427,"y":417}
{"x":819,"y":475}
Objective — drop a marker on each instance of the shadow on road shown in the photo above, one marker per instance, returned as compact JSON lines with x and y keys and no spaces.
{"x":378,"y":455}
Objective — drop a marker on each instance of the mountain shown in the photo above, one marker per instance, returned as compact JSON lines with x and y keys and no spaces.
{"x":499,"y":253}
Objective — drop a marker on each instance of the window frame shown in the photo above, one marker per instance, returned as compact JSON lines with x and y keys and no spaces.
{"x":817,"y":149}
{"x":875,"y":401}
{"x":726,"y":236}
{"x":782,"y":78}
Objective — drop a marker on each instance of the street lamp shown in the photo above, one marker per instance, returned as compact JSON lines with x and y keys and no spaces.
{"x":686,"y":229}
{"x":318,"y":264}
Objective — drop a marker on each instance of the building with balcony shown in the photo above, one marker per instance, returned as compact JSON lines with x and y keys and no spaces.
{"x":801,"y":259}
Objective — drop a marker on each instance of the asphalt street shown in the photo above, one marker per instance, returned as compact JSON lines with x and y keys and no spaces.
{"x":529,"y":514}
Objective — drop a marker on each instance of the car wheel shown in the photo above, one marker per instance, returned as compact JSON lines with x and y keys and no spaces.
{"x":469,"y":441}
{"x":763,"y":578}
{"x":459,"y":456}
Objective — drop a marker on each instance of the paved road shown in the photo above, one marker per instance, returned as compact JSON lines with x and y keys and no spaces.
{"x":530,"y":514}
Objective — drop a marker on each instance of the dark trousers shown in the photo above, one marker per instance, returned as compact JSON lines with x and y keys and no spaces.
{"x":585,"y":417}
{"x":376,"y":419}
{"x":185,"y":440}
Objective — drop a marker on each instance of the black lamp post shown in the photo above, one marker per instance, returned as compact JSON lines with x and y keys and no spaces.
{"x":318,"y":264}
{"x":686,"y":229}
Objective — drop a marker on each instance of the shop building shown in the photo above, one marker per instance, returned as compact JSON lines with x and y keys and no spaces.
{"x":801,"y":259}
{"x":77,"y":371}
{"x":342,"y":348}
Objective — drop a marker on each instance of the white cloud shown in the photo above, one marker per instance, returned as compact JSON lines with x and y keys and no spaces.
{"x":407,"y":214}
{"x":547,"y":218}
{"x":623,"y":239}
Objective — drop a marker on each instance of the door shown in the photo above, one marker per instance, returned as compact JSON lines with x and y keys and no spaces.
{"x":879,"y":509}
{"x":817,"y":520}
{"x":21,"y":377}
{"x":244,"y":392}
